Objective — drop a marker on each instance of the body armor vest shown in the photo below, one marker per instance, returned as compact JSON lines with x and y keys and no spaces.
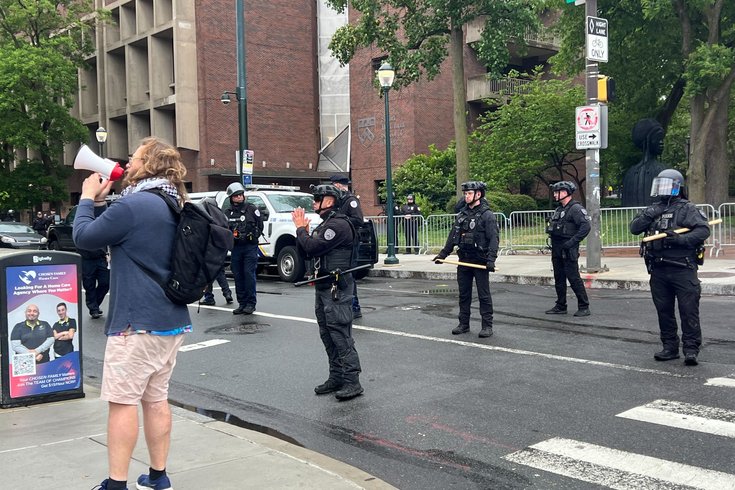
{"x":560,"y":226}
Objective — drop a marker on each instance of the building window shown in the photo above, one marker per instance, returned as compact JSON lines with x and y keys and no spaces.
{"x":376,"y":62}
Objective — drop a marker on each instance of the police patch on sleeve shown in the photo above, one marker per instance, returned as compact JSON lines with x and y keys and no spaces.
{"x":353,"y":204}
{"x":584,"y":211}
{"x":329,"y":234}
{"x":257,"y":213}
{"x":702,"y":213}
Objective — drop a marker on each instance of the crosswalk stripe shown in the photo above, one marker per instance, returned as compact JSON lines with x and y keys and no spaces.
{"x":688,"y":416}
{"x":617,"y":469}
{"x":202,"y":345}
{"x":728,"y":382}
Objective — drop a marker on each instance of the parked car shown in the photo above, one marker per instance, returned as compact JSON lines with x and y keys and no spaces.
{"x":59,"y":234}
{"x":20,"y":236}
{"x":278,"y":243}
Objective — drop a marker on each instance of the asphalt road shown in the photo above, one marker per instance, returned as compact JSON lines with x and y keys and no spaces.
{"x":444,"y":411}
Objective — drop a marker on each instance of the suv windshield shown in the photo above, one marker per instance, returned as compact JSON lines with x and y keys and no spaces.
{"x":285,"y":203}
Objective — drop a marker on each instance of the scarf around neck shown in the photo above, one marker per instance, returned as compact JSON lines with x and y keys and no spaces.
{"x":152,"y":183}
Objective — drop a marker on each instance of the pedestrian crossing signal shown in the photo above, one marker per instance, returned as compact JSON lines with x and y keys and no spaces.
{"x":605,"y":88}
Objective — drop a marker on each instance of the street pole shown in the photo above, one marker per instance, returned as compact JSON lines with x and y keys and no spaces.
{"x":241,"y":92}
{"x":592,"y":164}
{"x":391,"y":258}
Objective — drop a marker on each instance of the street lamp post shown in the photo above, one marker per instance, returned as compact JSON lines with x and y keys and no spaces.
{"x":101,"y":135}
{"x":241,"y":90}
{"x":386,"y":75}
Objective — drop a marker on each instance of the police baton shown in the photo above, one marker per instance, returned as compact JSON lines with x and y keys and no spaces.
{"x":464,"y":264}
{"x":332,"y":275}
{"x":659,"y":236}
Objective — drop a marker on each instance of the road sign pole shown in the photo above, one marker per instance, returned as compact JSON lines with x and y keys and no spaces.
{"x":592,"y":164}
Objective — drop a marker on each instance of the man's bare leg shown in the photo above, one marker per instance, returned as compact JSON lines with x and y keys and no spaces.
{"x":157,"y":428}
{"x":122,"y":434}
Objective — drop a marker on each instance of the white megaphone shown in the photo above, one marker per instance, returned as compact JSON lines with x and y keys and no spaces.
{"x":86,"y":159}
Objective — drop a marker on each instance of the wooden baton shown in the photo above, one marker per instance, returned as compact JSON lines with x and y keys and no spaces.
{"x":659,"y":236}
{"x":465,"y":264}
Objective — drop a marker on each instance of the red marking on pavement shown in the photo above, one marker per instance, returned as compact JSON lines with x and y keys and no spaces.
{"x":466,"y":436}
{"x":588,"y":281}
{"x":407,"y":450}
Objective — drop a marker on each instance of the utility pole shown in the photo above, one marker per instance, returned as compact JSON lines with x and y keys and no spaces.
{"x":242,"y":95}
{"x":592,"y":162}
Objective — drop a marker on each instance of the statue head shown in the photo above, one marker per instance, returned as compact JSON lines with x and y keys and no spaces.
{"x":648,"y":135}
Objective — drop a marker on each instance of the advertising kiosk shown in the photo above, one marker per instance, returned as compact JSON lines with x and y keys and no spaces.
{"x":40,"y":327}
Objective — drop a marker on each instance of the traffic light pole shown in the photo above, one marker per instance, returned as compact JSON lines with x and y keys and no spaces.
{"x":592,"y":165}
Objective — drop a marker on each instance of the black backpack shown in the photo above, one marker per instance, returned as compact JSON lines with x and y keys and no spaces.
{"x":199,"y":251}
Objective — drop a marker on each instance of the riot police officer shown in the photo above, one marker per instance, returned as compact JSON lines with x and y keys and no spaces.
{"x":410,"y":212}
{"x":349,"y":205}
{"x":568,"y":226}
{"x":331,"y":246}
{"x":672,"y":263}
{"x":475,"y":234}
{"x":247,"y":226}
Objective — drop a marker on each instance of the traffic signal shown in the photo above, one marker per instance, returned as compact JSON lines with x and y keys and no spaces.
{"x":605,"y":88}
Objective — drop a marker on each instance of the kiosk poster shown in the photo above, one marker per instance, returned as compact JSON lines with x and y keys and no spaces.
{"x":42,"y":328}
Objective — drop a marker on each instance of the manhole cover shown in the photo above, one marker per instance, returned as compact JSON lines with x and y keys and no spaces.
{"x":714,"y":275}
{"x":241,"y":329}
{"x":440,"y":291}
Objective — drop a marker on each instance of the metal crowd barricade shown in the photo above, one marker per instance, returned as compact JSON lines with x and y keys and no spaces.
{"x":527,"y":229}
{"x":380,"y":223}
{"x":724,"y":233}
{"x":615,"y":227}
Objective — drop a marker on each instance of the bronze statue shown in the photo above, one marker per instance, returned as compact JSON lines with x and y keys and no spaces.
{"x":648,"y":135}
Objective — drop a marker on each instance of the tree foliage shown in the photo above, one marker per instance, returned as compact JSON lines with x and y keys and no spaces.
{"x":42,"y":44}
{"x":418,"y":35}
{"x":430,"y":176}
{"x":530,"y":137}
{"x":663,"y":54}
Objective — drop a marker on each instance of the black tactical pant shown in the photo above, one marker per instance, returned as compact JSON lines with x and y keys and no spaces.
{"x":566,"y":268}
{"x":465,"y":275}
{"x":411,"y":226}
{"x":669,"y":284}
{"x":335,"y":329}
{"x":95,"y":281}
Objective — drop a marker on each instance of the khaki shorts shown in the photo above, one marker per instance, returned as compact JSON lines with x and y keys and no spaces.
{"x":138,"y":367}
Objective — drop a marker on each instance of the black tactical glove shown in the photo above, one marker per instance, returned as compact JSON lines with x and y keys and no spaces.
{"x":438,"y":258}
{"x":654,"y":210}
{"x":490,"y":265}
{"x":568,"y":244}
{"x":674,"y":239}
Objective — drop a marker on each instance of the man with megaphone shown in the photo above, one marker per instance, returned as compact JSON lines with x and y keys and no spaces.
{"x":144,"y":328}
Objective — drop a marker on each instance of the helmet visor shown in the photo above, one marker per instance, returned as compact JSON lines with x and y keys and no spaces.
{"x":665,"y":186}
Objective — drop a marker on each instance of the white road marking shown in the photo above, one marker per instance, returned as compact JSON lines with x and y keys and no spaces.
{"x":202,"y":345}
{"x":700,"y":418}
{"x":617,"y":469}
{"x":475,"y":346}
{"x":728,"y":382}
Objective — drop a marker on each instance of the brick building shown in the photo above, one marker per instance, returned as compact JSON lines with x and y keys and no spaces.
{"x":161,"y":67}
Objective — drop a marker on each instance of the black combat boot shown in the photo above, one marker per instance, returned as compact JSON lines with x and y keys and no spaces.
{"x":348,"y":391}
{"x":329,"y":386}
{"x":666,"y":354}
{"x":486,"y":332}
{"x":557,"y":310}
{"x":460,"y":329}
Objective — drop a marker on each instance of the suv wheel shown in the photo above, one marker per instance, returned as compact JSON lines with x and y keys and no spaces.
{"x":290,"y":265}
{"x":53,"y":245}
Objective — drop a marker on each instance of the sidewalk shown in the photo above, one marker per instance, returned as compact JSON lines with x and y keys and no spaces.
{"x":717,"y":274}
{"x":62,"y":445}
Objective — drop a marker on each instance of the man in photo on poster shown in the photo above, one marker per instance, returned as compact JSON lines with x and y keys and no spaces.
{"x":64,"y":331}
{"x":32,"y":336}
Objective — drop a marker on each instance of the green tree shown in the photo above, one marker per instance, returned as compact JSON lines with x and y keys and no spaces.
{"x":530,"y":137}
{"x":430,"y":176}
{"x":42,"y":44}
{"x":663,"y":53}
{"x":418,"y":35}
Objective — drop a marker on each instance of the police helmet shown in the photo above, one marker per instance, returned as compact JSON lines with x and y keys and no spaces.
{"x":667,"y":183}
{"x":475,"y":185}
{"x":564,"y":185}
{"x":234,"y":189}
{"x":322,"y":190}
{"x":410,"y":197}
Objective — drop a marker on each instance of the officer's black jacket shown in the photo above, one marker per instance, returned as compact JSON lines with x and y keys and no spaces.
{"x":349,"y":205}
{"x":411,"y":209}
{"x":475,"y":233}
{"x":569,"y":223}
{"x":670,"y":215}
{"x":252,"y":220}
{"x":334,"y":234}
